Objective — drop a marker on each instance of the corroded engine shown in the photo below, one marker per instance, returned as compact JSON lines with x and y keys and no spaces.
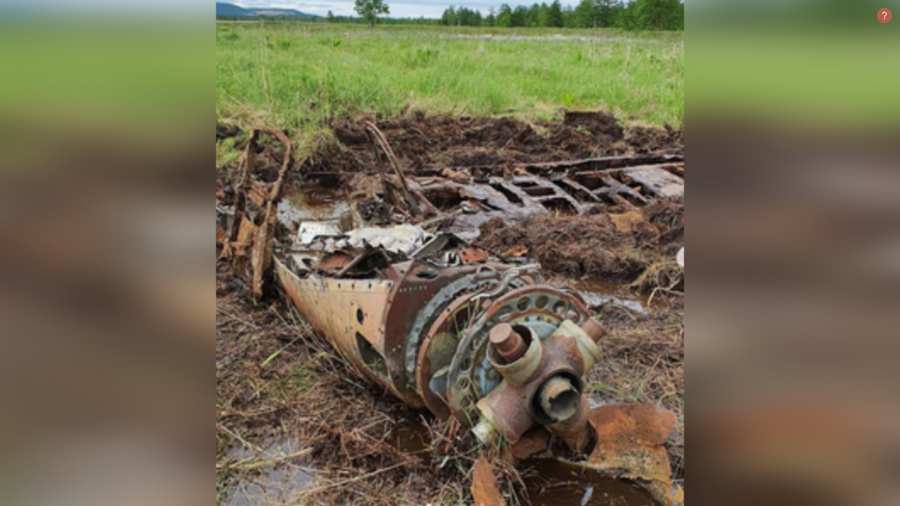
{"x":458,"y":333}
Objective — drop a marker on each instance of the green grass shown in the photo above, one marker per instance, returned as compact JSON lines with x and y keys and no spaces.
{"x":292,"y":75}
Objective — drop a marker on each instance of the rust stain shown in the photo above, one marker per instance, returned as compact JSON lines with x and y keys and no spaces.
{"x":333,"y":263}
{"x":629,"y":445}
{"x":531,"y":444}
{"x":473,"y":256}
{"x":515,"y":251}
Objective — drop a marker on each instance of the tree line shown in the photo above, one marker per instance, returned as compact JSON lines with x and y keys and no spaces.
{"x":636,"y":15}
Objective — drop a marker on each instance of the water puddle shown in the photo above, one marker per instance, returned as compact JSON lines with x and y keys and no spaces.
{"x":412,"y":437}
{"x":271,"y":477}
{"x":311,"y":203}
{"x":551,"y":482}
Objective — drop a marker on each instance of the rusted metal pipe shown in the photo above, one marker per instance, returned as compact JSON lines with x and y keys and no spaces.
{"x":593,"y":329}
{"x":559,"y":398}
{"x":509,"y":344}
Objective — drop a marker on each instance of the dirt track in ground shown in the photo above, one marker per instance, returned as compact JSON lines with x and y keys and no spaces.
{"x":277,"y":382}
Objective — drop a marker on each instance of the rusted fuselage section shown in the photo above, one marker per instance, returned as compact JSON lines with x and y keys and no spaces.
{"x":450,"y":328}
{"x":454,"y":329}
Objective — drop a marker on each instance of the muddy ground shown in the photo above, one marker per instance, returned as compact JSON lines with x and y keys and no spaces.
{"x":294,"y":424}
{"x":439,"y":141}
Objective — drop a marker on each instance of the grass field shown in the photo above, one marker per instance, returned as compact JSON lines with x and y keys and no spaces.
{"x":291,"y":75}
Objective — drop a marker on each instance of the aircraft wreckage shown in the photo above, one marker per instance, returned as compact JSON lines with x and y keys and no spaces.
{"x":452,"y":328}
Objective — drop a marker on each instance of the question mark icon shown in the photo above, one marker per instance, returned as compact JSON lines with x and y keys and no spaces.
{"x":884,"y":15}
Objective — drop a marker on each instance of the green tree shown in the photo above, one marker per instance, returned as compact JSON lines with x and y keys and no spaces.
{"x":568,"y":17}
{"x":504,"y":17}
{"x":491,"y":18}
{"x":606,"y":12}
{"x":584,"y":14}
{"x":449,"y":17}
{"x":532,"y":16}
{"x":519,"y":16}
{"x":371,"y":9}
{"x":543,"y":15}
{"x":555,"y":15}
{"x":657,"y":15}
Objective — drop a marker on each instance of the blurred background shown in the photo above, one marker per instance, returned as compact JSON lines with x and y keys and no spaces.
{"x":107,"y":290}
{"x":792,"y":325}
{"x":106,"y":271}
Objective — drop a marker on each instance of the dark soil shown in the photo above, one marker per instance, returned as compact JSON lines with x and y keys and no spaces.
{"x":436,"y":141}
{"x":590,"y":246}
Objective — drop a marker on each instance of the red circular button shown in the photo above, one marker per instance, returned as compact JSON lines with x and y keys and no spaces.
{"x":884,"y":15}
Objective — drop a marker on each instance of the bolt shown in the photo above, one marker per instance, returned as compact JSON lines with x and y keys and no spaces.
{"x":507,"y":342}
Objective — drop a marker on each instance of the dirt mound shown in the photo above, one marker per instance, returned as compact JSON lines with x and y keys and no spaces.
{"x":602,"y":246}
{"x":668,"y":218}
{"x":572,"y":246}
{"x":434,"y":141}
{"x":645,"y":140}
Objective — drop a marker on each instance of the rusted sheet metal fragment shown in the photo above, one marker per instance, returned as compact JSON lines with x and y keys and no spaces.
{"x":657,"y":181}
{"x":629,"y":445}
{"x":250,"y":239}
{"x":597,"y":164}
{"x":565,"y":166}
{"x":349,"y":312}
{"x":484,"y":485}
{"x":476,"y":200}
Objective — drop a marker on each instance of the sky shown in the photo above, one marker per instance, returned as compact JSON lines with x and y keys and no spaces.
{"x":426,"y":8}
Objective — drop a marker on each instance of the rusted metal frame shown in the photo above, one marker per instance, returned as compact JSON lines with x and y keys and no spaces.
{"x":425,"y":370}
{"x":407,"y":298}
{"x":580,"y":189}
{"x":358,"y":259}
{"x":655,"y":179}
{"x":602,"y":163}
{"x":471,"y":279}
{"x":386,"y":186}
{"x":578,"y":206}
{"x":556,"y":193}
{"x":527,"y":200}
{"x":259,"y":236}
{"x":379,"y":139}
{"x":620,"y":188}
{"x":547,"y":168}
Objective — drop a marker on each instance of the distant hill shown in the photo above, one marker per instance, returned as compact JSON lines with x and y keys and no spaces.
{"x":224,"y":9}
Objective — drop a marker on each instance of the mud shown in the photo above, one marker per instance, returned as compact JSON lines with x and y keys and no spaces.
{"x":435,"y":141}
{"x":296,"y":424}
{"x":604,"y":246}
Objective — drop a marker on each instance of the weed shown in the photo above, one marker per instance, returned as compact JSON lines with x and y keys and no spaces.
{"x":226,"y":153}
{"x":296,"y":84}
